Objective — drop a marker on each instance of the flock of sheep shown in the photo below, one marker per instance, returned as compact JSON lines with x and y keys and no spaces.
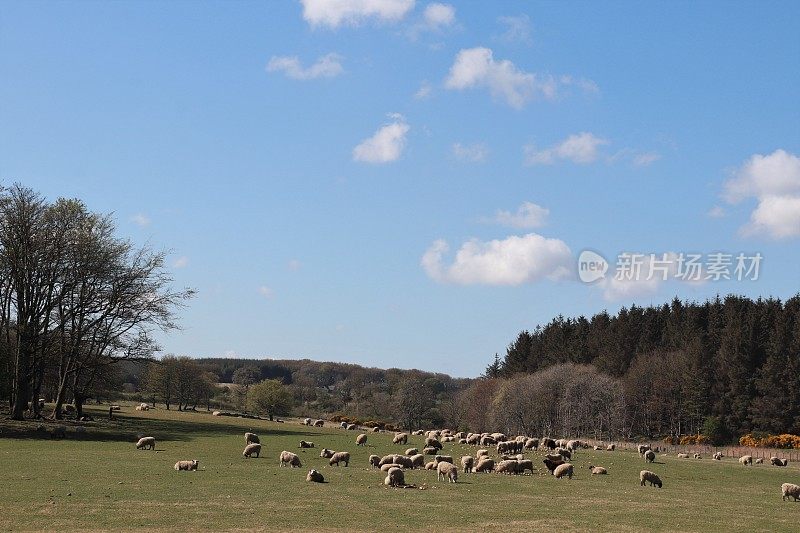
{"x":510,"y":451}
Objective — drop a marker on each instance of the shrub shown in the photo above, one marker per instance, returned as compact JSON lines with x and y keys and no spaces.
{"x":786,"y":440}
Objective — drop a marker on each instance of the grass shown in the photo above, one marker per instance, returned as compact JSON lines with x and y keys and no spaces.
{"x":101,"y":482}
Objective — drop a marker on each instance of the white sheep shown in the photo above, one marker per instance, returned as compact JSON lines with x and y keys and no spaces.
{"x":395,"y":478}
{"x":374,"y":461}
{"x":482,"y":453}
{"x":443,"y":459}
{"x":760,"y":461}
{"x":187,"y":465}
{"x":400,"y":438}
{"x":361,"y":440}
{"x":291,"y":459}
{"x":467,"y":462}
{"x":746,"y":460}
{"x":307,"y":422}
{"x":315,"y":476}
{"x":417,"y":460}
{"x":146,"y":443}
{"x":430,"y":465}
{"x":651,"y":477}
{"x":448,"y":471}
{"x":484,"y":465}
{"x":326,"y":453}
{"x":412,"y":451}
{"x":319,"y":423}
{"x":641,"y":448}
{"x":340,"y":457}
{"x":649,"y":456}
{"x":778,"y":462}
{"x":683,"y":456}
{"x":387,"y":467}
{"x":597,"y":470}
{"x":563,"y":470}
{"x":611,"y":447}
{"x":790,"y":490}
{"x":352,"y":427}
{"x":252,"y":449}
{"x":251,"y":438}
{"x":306,"y":444}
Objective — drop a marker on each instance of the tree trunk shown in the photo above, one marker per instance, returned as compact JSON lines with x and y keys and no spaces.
{"x":22,"y":379}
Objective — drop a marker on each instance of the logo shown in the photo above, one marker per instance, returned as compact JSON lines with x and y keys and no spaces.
{"x":591,"y":266}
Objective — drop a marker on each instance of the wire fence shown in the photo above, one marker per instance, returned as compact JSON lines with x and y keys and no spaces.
{"x":727,"y":451}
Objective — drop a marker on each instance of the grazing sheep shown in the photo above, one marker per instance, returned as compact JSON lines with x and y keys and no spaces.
{"x":251,"y":438}
{"x":443,"y":459}
{"x":790,"y":490}
{"x":597,"y":470}
{"x":488,"y":441}
{"x":388,"y":459}
{"x":400,"y":438}
{"x":697,"y":456}
{"x":523,"y":465}
{"x":746,"y":460}
{"x":374,"y":461}
{"x":306,"y":444}
{"x":467,"y":462}
{"x":291,"y":459}
{"x":431,"y":465}
{"x":394,"y":478}
{"x":611,"y":447}
{"x":340,"y":457}
{"x":649,"y":456}
{"x":554,"y":457}
{"x":352,"y":427}
{"x":683,"y":456}
{"x":573,"y":445}
{"x":146,"y":443}
{"x":565,"y":453}
{"x":473,"y":439}
{"x":532,"y":444}
{"x":597,"y":448}
{"x":547,"y":442}
{"x":319,"y":423}
{"x":326,"y":453}
{"x":433,"y":443}
{"x":187,"y":465}
{"x":315,"y":476}
{"x":482,"y":453}
{"x":376,"y":429}
{"x":760,"y":461}
{"x":404,"y":461}
{"x":412,"y":451}
{"x":649,"y":477}
{"x":418,"y":432}
{"x":430,"y":451}
{"x":417,"y":460}
{"x":641,"y":448}
{"x":778,"y":462}
{"x":447,"y":471}
{"x":717,"y":456}
{"x":252,"y":449}
{"x":361,"y":440}
{"x":386,"y":468}
{"x":552,"y":464}
{"x":216,"y":413}
{"x":506,"y":467}
{"x":485,"y":465}
{"x":307,"y":422}
{"x":563,"y":470}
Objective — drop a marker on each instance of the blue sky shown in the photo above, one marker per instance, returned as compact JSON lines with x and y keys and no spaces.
{"x":405,"y":183}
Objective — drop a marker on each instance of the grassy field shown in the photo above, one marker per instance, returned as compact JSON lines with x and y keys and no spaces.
{"x":100,"y":481}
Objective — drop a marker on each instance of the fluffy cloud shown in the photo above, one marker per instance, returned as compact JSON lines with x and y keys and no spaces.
{"x":327,"y":66}
{"x":181,"y":262}
{"x":476,"y":67}
{"x":512,"y":261}
{"x":580,"y":148}
{"x":774,"y":180}
{"x":646,"y":159}
{"x":386,"y":145}
{"x":425,"y":90}
{"x":438,"y":15}
{"x":528,"y":215}
{"x":471,"y":152}
{"x":334,"y":13}
{"x":140,"y":219}
{"x":653,"y":273}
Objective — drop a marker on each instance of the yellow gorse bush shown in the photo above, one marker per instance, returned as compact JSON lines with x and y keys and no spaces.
{"x":785,"y":440}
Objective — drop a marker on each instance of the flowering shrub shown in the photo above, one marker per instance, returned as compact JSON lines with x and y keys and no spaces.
{"x":785,"y":440}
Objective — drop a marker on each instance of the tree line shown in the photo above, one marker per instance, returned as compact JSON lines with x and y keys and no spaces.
{"x":75,"y":300}
{"x":729,"y":365}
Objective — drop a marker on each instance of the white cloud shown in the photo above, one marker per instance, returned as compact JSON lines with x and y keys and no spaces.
{"x":716,"y":212}
{"x":528,"y":215}
{"x":776,"y":216}
{"x":476,"y":67}
{"x":475,"y":153}
{"x":327,"y":66}
{"x":439,"y":15}
{"x":140,"y":219}
{"x":294,"y":265}
{"x":334,"y":13}
{"x":650,"y":278}
{"x":580,"y":148}
{"x":512,"y":261}
{"x":586,"y":85}
{"x":386,"y":145}
{"x":518,"y":29}
{"x":266,"y":292}
{"x":774,"y":180}
{"x":646,"y":159}
{"x":425,"y":90}
{"x":181,"y":262}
